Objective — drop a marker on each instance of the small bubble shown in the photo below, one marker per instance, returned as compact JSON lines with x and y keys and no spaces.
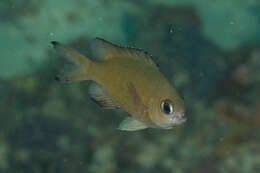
{"x":232,"y":22}
{"x":171,"y":30}
{"x":51,"y":34}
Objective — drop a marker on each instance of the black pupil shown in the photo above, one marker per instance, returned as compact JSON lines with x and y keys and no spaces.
{"x":167,"y":108}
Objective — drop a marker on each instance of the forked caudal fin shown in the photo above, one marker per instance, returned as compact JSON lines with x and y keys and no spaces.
{"x":76,"y":69}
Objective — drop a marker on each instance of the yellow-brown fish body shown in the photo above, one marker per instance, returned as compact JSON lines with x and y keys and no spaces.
{"x":129,"y":79}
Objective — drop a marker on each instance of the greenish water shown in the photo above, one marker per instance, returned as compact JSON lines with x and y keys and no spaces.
{"x":209,"y":50}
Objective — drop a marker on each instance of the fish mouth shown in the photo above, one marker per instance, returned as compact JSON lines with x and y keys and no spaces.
{"x":178,"y":119}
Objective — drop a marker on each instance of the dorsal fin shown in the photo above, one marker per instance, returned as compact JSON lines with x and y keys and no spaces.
{"x":105,"y":50}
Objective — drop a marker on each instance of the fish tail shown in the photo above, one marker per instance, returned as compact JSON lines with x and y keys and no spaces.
{"x":78,"y":67}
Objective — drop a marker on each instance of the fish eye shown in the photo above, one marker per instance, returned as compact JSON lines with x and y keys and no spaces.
{"x":167,"y":107}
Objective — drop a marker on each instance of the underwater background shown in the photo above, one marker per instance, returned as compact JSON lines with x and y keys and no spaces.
{"x":209,"y":49}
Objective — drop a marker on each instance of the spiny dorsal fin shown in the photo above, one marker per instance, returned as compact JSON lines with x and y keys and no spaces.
{"x":105,"y":50}
{"x":100,"y":96}
{"x":131,"y":124}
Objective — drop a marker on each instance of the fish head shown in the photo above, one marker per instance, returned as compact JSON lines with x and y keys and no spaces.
{"x":167,"y":109}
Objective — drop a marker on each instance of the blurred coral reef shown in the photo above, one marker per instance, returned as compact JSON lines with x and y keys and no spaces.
{"x":51,"y":127}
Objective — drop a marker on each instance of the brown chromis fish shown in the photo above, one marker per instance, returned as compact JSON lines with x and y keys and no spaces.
{"x":126,"y":78}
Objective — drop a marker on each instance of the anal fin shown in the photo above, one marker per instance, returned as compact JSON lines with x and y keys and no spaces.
{"x":100,"y":96}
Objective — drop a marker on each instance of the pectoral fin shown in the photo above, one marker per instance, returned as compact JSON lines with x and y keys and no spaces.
{"x":137,"y":101}
{"x":131,"y":124}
